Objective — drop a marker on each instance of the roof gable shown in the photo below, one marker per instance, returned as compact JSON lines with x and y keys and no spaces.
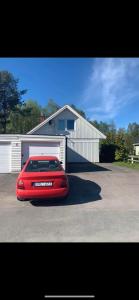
{"x":74,"y":112}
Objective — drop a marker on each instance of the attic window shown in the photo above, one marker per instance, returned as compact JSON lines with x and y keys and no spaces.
{"x":70,"y":124}
{"x":61,"y":124}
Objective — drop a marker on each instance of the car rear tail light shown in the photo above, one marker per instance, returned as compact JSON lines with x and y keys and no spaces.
{"x":20,"y":184}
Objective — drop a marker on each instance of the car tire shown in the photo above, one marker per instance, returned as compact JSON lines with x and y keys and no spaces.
{"x":20,"y":199}
{"x":65,"y":197}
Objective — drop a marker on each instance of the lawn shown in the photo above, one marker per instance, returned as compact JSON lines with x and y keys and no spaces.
{"x":127,"y":164}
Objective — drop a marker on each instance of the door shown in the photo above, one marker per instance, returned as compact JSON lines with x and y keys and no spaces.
{"x":5,"y":154}
{"x":40,"y":148}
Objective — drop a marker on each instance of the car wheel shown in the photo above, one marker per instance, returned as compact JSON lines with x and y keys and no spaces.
{"x":20,"y":199}
{"x":66,"y":197}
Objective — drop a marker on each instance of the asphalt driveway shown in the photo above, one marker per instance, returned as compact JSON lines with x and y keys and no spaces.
{"x":103,"y":206}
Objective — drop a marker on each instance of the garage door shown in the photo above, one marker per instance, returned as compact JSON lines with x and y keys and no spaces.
{"x":5,"y":154}
{"x":40,"y":148}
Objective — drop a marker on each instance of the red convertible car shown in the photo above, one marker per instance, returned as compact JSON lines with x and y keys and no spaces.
{"x":42,"y":177}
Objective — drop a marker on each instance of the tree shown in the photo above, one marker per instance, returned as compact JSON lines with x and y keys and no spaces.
{"x":10,"y":97}
{"x":79,"y":111}
{"x":107,"y":146}
{"x":133,"y":130}
{"x":108,"y":129}
{"x":25,"y":117}
{"x":31,"y":115}
{"x":121,"y":152}
{"x":50,"y":108}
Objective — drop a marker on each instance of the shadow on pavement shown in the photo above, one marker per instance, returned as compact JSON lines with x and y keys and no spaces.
{"x":84,"y":167}
{"x":81,"y":191}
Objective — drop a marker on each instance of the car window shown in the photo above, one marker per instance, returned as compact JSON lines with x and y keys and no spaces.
{"x":43,"y":166}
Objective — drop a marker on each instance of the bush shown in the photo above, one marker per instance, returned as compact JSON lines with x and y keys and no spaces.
{"x":121,"y":154}
{"x":107,"y":152}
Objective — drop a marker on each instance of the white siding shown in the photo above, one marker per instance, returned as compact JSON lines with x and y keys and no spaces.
{"x":63,"y":152}
{"x":16,"y":156}
{"x":82,"y":151}
{"x":137,"y":150}
{"x":82,"y":129}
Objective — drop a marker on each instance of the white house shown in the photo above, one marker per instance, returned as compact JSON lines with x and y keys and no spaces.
{"x":136,"y":148}
{"x":82,"y":137}
{"x":65,"y":134}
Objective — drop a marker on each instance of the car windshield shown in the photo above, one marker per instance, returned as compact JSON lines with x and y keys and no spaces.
{"x":43,"y":166}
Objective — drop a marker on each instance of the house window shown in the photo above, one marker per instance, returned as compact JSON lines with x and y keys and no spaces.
{"x":70,"y":124}
{"x":61,"y":124}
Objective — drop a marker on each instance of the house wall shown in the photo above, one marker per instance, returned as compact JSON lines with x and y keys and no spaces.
{"x":15,"y":156}
{"x":82,"y":129}
{"x":83,"y":150}
{"x":137,"y":150}
{"x":82,"y":142}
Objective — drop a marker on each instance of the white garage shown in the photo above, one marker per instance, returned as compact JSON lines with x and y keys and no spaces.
{"x":82,"y":150}
{"x":5,"y":157}
{"x":40,"y":148}
{"x":15,"y":149}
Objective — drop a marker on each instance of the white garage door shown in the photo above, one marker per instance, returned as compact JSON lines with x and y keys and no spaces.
{"x":40,"y":148}
{"x":5,"y":154}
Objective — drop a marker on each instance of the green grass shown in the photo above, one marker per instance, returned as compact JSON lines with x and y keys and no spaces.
{"x":127,"y":164}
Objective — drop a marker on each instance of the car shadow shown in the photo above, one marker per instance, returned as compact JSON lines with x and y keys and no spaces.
{"x":81,"y":191}
{"x":85,"y":167}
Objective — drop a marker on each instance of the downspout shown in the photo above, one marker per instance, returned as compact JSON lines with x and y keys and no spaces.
{"x":66,"y":166}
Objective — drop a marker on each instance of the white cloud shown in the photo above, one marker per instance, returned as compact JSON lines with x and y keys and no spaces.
{"x":112,"y":85}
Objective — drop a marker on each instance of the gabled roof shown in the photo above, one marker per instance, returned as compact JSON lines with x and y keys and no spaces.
{"x":74,"y":112}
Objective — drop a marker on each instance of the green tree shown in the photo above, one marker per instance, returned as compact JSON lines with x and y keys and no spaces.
{"x":108,"y":129}
{"x":25,"y":117}
{"x":107,"y":146}
{"x":31,"y":115}
{"x":50,"y":108}
{"x":102,"y":126}
{"x":129,"y":143}
{"x":10,"y":97}
{"x":79,"y":111}
{"x":121,"y":152}
{"x":133,"y":131}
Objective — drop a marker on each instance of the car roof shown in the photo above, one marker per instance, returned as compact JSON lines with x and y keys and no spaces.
{"x":43,"y":158}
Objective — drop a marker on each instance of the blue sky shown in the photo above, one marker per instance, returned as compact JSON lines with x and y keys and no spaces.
{"x":107,"y":89}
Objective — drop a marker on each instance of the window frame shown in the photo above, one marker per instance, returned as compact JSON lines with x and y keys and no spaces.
{"x":64,"y":125}
{"x":33,"y":170}
{"x":73,"y":124}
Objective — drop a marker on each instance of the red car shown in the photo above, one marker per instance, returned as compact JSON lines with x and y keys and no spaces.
{"x":42,"y":177}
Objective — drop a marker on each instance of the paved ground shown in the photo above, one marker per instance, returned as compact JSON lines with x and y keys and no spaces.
{"x":103,"y":207}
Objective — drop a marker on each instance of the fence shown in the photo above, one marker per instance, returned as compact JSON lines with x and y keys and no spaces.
{"x":133,"y":158}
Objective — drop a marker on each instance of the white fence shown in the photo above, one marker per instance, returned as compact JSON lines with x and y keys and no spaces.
{"x":133,"y":158}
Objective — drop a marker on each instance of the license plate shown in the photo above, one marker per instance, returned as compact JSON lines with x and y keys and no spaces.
{"x":42,"y":183}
